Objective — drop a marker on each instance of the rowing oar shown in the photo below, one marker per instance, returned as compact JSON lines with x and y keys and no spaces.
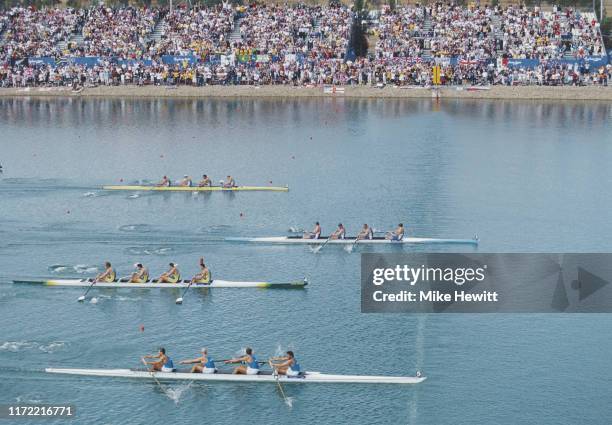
{"x":280,"y":387}
{"x":352,"y":246}
{"x":93,"y":282}
{"x":154,"y":377}
{"x":320,"y":247}
{"x":350,"y":249}
{"x":82,"y":297}
{"x":179,"y":300}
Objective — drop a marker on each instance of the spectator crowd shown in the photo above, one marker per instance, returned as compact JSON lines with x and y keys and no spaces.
{"x":299,"y":45}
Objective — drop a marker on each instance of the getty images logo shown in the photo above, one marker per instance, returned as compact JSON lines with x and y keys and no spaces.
{"x":422,"y":273}
{"x":462,"y":282}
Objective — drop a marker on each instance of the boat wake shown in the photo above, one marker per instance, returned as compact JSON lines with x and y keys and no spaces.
{"x":20,"y":346}
{"x":289,"y":401}
{"x":176,"y":393}
{"x":50,"y":227}
{"x":79,"y":268}
{"x":315,"y":249}
{"x":136,"y":228}
{"x":85,"y":269}
{"x":140,"y":250}
{"x":220,"y":229}
{"x":34,"y":182}
{"x":29,"y":399}
{"x":121,"y":298}
{"x":349,"y":248}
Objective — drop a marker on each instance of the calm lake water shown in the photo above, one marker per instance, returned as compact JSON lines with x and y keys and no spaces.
{"x":524,"y":176}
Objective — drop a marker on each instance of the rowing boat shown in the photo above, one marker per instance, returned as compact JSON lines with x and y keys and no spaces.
{"x":227,"y":376}
{"x":154,"y":284}
{"x":377,"y":240}
{"x":199,"y":189}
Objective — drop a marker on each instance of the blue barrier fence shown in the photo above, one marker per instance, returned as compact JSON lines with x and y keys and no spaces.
{"x":131,"y":62}
{"x":88,"y":61}
{"x":179,"y":60}
{"x":42,"y":60}
{"x":252,"y":60}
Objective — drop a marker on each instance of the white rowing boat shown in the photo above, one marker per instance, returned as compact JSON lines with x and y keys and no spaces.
{"x":217,"y":283}
{"x":198,"y":188}
{"x":289,"y":240}
{"x":306,"y":377}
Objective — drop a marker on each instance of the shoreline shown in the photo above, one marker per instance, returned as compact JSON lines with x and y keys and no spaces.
{"x":598,"y":93}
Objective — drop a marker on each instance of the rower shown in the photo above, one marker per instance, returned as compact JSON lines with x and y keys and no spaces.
{"x":108,"y":275}
{"x":171,"y":276}
{"x":315,"y":234}
{"x":205,"y":181}
{"x":229,"y":182}
{"x":288,"y":366}
{"x":141,"y":275}
{"x":339,"y":233}
{"x":186,"y":181}
{"x":161,"y":362}
{"x":204,"y":275}
{"x":250,"y":366}
{"x":397,"y":234}
{"x":365,"y":233}
{"x":203,"y":364}
{"x":165,"y":181}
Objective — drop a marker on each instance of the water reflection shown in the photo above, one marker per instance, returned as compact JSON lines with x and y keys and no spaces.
{"x":105,"y":112}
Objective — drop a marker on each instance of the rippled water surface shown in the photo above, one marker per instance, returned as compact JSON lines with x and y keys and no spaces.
{"x":524,"y":176}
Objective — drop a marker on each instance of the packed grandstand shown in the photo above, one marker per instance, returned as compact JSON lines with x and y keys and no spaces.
{"x":300,"y":45}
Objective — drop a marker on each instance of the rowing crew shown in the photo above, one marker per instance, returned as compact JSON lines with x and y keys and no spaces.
{"x":141,"y":274}
{"x":186,"y":181}
{"x":248,"y":363}
{"x":366,"y":232}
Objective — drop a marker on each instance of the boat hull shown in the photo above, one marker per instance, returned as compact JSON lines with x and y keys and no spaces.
{"x":293,"y":240}
{"x":199,"y":189}
{"x":183,"y":284}
{"x":307,"y":377}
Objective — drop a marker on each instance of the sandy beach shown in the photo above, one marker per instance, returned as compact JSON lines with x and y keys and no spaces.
{"x":494,"y":92}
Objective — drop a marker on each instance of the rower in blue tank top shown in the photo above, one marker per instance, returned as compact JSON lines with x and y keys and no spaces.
{"x":168,"y":366}
{"x":249,"y":366}
{"x":203,"y":364}
{"x":288,"y":365}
